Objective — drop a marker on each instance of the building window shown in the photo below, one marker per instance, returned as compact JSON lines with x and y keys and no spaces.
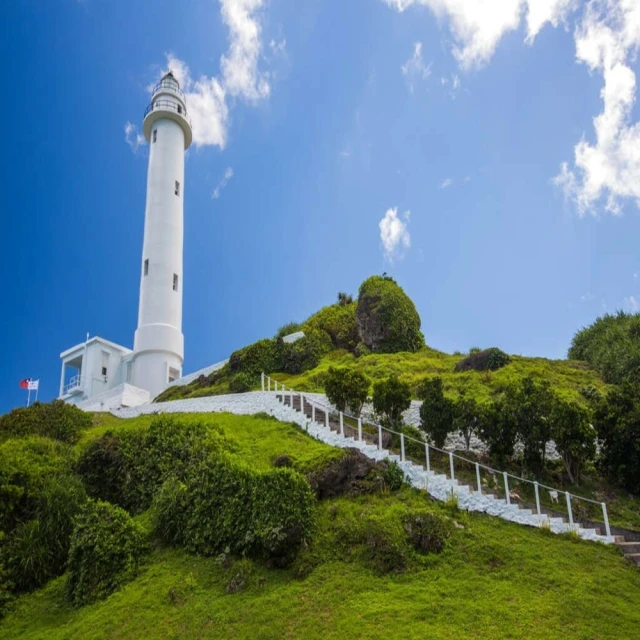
{"x":105,"y":363}
{"x":155,"y":135}
{"x":175,"y":281}
{"x":104,"y":371}
{"x":174,"y":374}
{"x":146,"y":267}
{"x":179,"y":109}
{"x":177,"y":189}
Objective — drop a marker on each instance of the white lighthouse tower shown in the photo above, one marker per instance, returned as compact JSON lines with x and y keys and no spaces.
{"x":99,"y":374}
{"x":159,"y":344}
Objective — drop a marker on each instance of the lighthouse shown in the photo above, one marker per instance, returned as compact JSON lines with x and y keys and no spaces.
{"x":99,"y":374}
{"x":158,"y":343}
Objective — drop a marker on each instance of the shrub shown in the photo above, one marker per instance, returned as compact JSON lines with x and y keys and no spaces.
{"x":391,"y":398}
{"x":57,"y":420}
{"x":436,"y":412}
{"x":288,"y":329}
{"x":262,"y":356}
{"x":488,"y":360}
{"x":427,"y":532}
{"x":361,"y":350}
{"x":127,"y":468}
{"x":499,"y":431}
{"x":612,"y":346}
{"x":344,"y":299}
{"x":384,"y":544}
{"x":242,"y":382}
{"x":304,"y":354}
{"x":387,"y":319}
{"x":346,"y":388}
{"x":339,"y":322}
{"x":574,"y":436}
{"x":224,"y":505}
{"x":411,"y":447}
{"x":617,"y":421}
{"x":107,"y":547}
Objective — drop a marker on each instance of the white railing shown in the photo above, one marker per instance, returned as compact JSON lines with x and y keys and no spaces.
{"x":75,"y":382}
{"x":475,"y":470}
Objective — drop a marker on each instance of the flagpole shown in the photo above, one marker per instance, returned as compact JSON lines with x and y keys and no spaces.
{"x":28,"y":396}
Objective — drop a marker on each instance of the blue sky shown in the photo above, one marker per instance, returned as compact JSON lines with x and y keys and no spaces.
{"x":485,"y":156}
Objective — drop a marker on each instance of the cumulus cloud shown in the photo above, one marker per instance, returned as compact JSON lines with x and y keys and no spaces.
{"x":394,"y":234}
{"x":446,"y":183}
{"x":222,"y":183}
{"x":604,"y":172}
{"x":415,"y":68}
{"x":133,"y":137}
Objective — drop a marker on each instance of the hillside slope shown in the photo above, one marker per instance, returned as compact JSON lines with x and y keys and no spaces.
{"x":357,"y":578}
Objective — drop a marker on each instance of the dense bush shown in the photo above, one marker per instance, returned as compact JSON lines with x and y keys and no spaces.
{"x":499,"y":431}
{"x":262,"y":356}
{"x":304,"y":354}
{"x":346,"y":388}
{"x":611,"y":345}
{"x":617,"y":421}
{"x":385,"y":546}
{"x":107,"y":547}
{"x":391,"y":398}
{"x":413,"y":442}
{"x":436,"y":411}
{"x":242,"y":382}
{"x":427,"y":532}
{"x":57,"y":420}
{"x":288,"y":329}
{"x":488,"y":360}
{"x":339,"y":322}
{"x":387,"y":319}
{"x":573,"y":435}
{"x":224,"y":505}
{"x":128,"y":467}
{"x":466,"y":418}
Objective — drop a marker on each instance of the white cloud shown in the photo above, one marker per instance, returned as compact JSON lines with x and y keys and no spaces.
{"x":454,"y":85}
{"x":446,"y":183}
{"x":415,"y":68}
{"x":587,"y":297}
{"x":394,"y":234}
{"x":632,"y":304}
{"x":278,"y":48}
{"x":222,"y":183}
{"x":608,"y":172}
{"x":133,"y":137}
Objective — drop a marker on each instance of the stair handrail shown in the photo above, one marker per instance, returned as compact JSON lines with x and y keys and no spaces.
{"x":478,"y":465}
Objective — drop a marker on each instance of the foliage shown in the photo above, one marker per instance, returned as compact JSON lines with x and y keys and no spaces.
{"x":339,"y":322}
{"x":262,"y":356}
{"x":617,"y":421}
{"x":346,"y":388}
{"x":385,"y":549}
{"x":107,"y":547}
{"x":574,"y":437}
{"x":387,"y":319}
{"x":304,"y":354}
{"x":488,"y":360}
{"x":344,"y":299}
{"x":222,"y":504}
{"x":288,"y":329}
{"x":427,"y":532}
{"x":242,"y":382}
{"x":127,"y":468}
{"x":499,"y":430}
{"x":57,"y":420}
{"x":413,"y":442}
{"x":436,"y":411}
{"x":391,"y":398}
{"x":612,"y":345}
{"x":466,"y":418}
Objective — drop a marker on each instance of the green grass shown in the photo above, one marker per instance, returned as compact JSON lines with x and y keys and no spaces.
{"x":495,"y":580}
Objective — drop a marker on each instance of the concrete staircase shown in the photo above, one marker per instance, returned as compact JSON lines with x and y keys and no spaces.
{"x":441,"y":486}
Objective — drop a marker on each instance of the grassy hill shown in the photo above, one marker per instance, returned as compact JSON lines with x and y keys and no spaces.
{"x":357,"y":578}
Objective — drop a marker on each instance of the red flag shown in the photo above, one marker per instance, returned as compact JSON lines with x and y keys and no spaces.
{"x":24,"y":384}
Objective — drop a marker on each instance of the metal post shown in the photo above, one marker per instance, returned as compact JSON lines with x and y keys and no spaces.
{"x":379,"y":438}
{"x":478,"y":478}
{"x":326,"y":417}
{"x":313,"y":413}
{"x":569,"y":510}
{"x":360,"y":429}
{"x":453,"y":475}
{"x":341,"y":424}
{"x":262,"y":380}
{"x":426,"y":448}
{"x":402,"y":447}
{"x":506,"y":487}
{"x":268,"y":383}
{"x":301,"y":404}
{"x":535,"y":486}
{"x":606,"y":520}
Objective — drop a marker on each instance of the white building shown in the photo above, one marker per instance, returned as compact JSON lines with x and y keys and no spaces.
{"x":101,"y":374}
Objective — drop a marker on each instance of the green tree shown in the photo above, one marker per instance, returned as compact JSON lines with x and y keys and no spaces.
{"x":466,"y":418}
{"x":391,"y":398}
{"x":498,"y":429}
{"x":574,"y":436}
{"x":617,"y":421}
{"x":436,"y":412}
{"x":347,"y":388}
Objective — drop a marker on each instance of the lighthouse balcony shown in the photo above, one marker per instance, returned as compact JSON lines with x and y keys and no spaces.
{"x":168,"y":105}
{"x":168,"y":84}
